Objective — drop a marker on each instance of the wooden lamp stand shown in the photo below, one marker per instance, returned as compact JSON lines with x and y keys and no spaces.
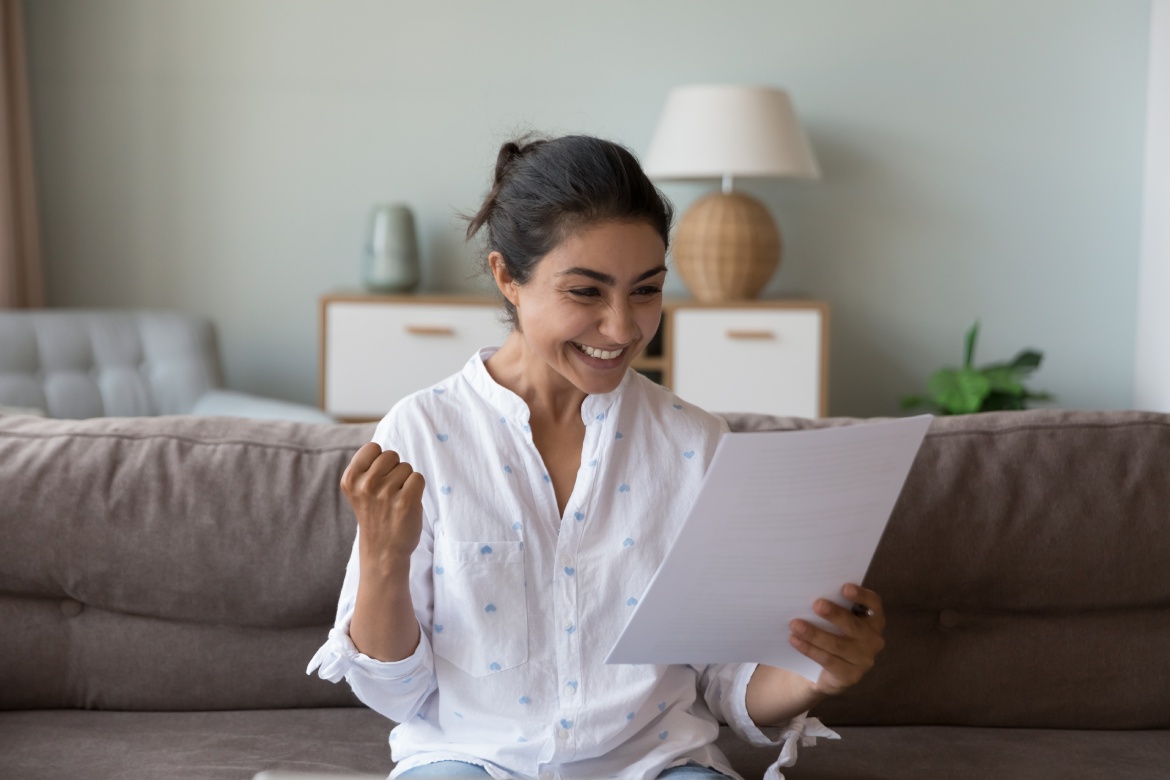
{"x":726,"y":247}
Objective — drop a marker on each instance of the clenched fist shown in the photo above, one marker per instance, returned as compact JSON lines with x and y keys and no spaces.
{"x":386,"y":496}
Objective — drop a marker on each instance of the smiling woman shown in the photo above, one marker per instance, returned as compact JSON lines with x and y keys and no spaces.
{"x":478,"y":616}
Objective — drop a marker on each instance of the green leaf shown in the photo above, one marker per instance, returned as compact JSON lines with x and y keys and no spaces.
{"x":959,"y":392}
{"x":915,"y":401}
{"x":969,"y":351}
{"x":1002,"y":379}
{"x":1002,"y":402}
{"x":1028,"y":360}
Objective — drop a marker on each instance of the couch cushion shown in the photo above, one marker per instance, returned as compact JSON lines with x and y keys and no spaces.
{"x":191,"y":745}
{"x":170,"y":562}
{"x":1025,"y":574}
{"x":235,"y":745}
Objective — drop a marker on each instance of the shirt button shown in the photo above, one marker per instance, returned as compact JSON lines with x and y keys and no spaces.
{"x":562,"y":733}
{"x":568,"y":625}
{"x":570,"y":690}
{"x":566,"y":560}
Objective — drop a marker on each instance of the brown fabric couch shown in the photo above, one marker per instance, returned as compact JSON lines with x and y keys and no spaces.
{"x":164,"y":581}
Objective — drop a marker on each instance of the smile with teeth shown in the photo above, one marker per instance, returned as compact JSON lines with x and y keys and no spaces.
{"x":601,"y":354}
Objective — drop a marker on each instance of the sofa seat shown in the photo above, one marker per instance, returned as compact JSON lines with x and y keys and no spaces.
{"x":233,"y":745}
{"x":224,"y":745}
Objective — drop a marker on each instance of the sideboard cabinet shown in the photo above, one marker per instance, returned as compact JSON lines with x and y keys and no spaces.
{"x":767,"y":356}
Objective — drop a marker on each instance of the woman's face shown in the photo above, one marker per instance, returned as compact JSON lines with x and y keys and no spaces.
{"x":593,"y":302}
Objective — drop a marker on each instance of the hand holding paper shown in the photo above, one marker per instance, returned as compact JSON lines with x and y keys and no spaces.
{"x":782,"y":520}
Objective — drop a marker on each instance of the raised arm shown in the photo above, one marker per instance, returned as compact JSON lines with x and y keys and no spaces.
{"x":386,"y":495}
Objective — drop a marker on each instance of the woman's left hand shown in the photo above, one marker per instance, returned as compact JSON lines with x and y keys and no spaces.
{"x":845,"y":657}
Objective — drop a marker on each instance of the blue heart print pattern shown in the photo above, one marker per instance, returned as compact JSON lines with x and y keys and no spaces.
{"x":488,"y":494}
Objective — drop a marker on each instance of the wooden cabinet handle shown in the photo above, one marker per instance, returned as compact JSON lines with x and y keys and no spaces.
{"x":750,"y":334}
{"x":430,"y":330}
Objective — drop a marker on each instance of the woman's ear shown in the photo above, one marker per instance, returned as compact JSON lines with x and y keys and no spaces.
{"x":503,"y":278}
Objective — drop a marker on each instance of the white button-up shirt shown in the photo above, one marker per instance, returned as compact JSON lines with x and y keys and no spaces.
{"x":518,"y":605}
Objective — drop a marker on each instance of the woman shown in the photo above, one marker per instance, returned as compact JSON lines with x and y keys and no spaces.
{"x":510,"y":516}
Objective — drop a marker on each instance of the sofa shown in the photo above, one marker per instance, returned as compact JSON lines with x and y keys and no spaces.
{"x":80,"y":363}
{"x":165,"y":580}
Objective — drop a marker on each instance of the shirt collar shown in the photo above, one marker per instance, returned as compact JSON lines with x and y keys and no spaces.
{"x":595,"y":408}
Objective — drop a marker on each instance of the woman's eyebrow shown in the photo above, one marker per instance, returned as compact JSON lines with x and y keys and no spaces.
{"x":606,"y":278}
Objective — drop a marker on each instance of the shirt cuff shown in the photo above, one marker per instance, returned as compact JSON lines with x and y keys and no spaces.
{"x":801,"y":731}
{"x":339,"y":656}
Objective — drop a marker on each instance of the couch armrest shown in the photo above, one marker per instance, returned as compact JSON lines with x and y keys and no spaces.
{"x":229,"y":403}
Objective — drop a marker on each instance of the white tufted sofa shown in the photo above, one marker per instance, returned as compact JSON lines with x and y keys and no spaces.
{"x":77,"y":363}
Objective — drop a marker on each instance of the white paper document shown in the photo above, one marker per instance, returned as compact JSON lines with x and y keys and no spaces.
{"x":782,"y":519}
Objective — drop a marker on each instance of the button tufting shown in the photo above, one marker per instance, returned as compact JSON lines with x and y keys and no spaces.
{"x":71,"y":607}
{"x":948,"y":618}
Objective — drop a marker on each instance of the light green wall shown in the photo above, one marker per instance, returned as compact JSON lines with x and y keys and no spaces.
{"x":981,"y":160}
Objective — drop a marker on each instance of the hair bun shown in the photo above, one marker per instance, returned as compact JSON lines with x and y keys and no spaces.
{"x":508,"y":152}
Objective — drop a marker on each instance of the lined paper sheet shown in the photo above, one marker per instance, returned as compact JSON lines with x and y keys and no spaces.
{"x":782,"y":519}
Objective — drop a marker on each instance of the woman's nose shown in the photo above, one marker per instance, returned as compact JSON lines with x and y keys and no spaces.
{"x":619,"y":325}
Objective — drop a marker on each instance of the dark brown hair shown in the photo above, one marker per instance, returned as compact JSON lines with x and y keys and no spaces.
{"x":545,"y":190}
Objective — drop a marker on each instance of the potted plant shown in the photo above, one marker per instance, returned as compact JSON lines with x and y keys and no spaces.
{"x":991,"y":388}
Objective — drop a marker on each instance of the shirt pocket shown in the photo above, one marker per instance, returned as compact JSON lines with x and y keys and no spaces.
{"x":481,"y":608}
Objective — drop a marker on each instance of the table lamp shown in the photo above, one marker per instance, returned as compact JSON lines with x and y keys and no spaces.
{"x":727,"y":245}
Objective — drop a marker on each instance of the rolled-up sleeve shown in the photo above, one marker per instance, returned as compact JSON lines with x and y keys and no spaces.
{"x":396,"y":689}
{"x":724,"y":689}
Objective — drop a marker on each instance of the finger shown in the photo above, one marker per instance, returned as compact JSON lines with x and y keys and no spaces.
{"x":359,"y":464}
{"x":850,"y":650}
{"x":845,"y":619}
{"x":391,"y":483}
{"x":412,"y":489}
{"x":841,"y":669}
{"x":867,"y":598}
{"x":383,"y":465}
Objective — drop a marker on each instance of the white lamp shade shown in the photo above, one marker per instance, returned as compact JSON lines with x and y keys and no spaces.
{"x":711,"y":130}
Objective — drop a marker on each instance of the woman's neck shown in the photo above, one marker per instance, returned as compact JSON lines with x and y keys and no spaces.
{"x":552,"y":399}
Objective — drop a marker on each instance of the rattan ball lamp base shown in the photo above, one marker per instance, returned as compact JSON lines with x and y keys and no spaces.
{"x":726,"y":247}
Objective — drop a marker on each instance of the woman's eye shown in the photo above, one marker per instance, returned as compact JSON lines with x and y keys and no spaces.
{"x":585,"y":292}
{"x":647,"y":291}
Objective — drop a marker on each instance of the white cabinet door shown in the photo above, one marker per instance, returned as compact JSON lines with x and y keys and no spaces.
{"x":749,"y":360}
{"x":377,"y":353}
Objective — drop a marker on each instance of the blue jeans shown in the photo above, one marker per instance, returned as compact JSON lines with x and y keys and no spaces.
{"x":455,"y":769}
